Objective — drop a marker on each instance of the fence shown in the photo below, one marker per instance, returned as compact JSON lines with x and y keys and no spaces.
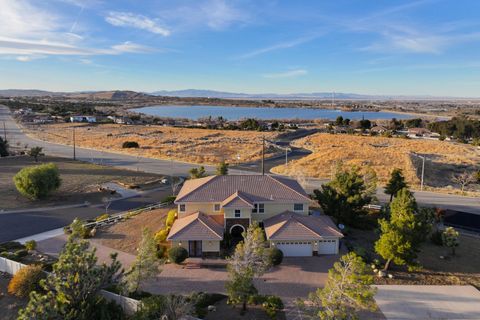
{"x":129,"y":306}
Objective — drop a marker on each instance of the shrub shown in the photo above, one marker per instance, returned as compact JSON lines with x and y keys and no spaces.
{"x":107,"y":310}
{"x":26,"y":280}
{"x":31,"y":245}
{"x":21,"y":253}
{"x":37,"y":182}
{"x":169,"y":199}
{"x":151,"y":308}
{"x":276,"y":256}
{"x":161,"y":252}
{"x":177,"y":254}
{"x":202,"y":300}
{"x":256,"y":299}
{"x":11,"y":245}
{"x":436,"y":238}
{"x":272,"y":305}
{"x":161,"y":236}
{"x":171,"y":216}
{"x":102,"y":217}
{"x":130,"y":144}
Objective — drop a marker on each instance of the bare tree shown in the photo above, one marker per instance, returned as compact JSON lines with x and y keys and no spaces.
{"x":464,"y":179}
{"x":177,"y":307}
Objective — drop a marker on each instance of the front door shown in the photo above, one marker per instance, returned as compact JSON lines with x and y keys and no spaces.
{"x":195,"y":248}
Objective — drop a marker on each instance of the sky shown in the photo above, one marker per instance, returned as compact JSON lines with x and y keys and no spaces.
{"x":424,"y":47}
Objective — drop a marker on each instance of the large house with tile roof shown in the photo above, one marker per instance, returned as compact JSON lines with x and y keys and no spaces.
{"x":211,"y":207}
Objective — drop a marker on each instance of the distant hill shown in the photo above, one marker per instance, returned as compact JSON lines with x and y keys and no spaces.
{"x":28,"y":93}
{"x":110,"y":95}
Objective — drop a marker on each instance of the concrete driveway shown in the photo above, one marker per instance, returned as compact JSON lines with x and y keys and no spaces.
{"x":403,"y":302}
{"x":294,"y":278}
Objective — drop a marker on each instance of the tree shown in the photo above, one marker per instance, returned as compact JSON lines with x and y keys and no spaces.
{"x":177,"y":307}
{"x":399,"y":239}
{"x":37,"y":182}
{"x":250,"y":260}
{"x":365,"y":124}
{"x":370,"y":179}
{"x":450,"y":239}
{"x":3,"y":148}
{"x":339,"y":121}
{"x":71,"y":290}
{"x":396,"y":183}
{"x":196,"y":173}
{"x":347,"y":291}
{"x":222,"y":168}
{"x":35,"y":152}
{"x":146,"y":265}
{"x":464,"y":179}
{"x":344,"y":196}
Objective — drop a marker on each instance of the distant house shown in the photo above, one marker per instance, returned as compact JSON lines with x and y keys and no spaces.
{"x":418,"y":132}
{"x":378,"y":129}
{"x":89,"y":119}
{"x":211,"y":207}
{"x":42,"y":119}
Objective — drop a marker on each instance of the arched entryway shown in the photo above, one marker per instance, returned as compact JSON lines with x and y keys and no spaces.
{"x":236,"y":231}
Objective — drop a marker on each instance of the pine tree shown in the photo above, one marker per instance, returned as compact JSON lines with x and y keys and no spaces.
{"x":396,"y":183}
{"x":3,"y":147}
{"x":222,"y":169}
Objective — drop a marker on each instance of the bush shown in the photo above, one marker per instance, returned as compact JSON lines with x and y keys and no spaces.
{"x":161,"y":252}
{"x":177,"y":254}
{"x":256,"y":299}
{"x":171,"y":216}
{"x":26,"y":280}
{"x":436,"y":238}
{"x":202,"y":300}
{"x":161,"y":236}
{"x":11,"y":245}
{"x":21,"y":253}
{"x":31,"y":245}
{"x":151,"y":308}
{"x":37,"y":182}
{"x":276,"y":256}
{"x":130,"y":144}
{"x":169,"y":199}
{"x":107,"y":310}
{"x":362,"y":252}
{"x":272,"y":305}
{"x":102,"y":217}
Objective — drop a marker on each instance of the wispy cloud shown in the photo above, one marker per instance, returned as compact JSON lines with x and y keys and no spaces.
{"x":128,"y":19}
{"x":286,"y":74}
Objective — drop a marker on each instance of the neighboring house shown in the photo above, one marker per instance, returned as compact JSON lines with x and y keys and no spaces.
{"x":418,"y":132}
{"x":210,"y":208}
{"x":89,"y":119}
{"x":378,"y":129}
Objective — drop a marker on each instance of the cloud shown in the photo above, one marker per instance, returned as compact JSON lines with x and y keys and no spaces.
{"x":128,"y":19}
{"x":131,"y":47}
{"x":286,"y":74}
{"x":277,"y":46}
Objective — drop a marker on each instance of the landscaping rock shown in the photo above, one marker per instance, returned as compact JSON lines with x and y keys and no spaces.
{"x":211,"y":308}
{"x":390,"y":276}
{"x":382,"y":273}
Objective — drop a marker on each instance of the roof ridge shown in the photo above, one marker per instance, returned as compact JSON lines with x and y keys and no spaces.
{"x":189,"y":223}
{"x":206,"y":225}
{"x":306,"y":227}
{"x":200,"y":186}
{"x":288,"y":187}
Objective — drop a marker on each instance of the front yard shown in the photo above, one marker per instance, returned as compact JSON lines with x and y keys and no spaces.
{"x":9,"y":305}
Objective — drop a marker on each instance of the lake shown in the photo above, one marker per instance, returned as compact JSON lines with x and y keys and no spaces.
{"x":195,"y":112}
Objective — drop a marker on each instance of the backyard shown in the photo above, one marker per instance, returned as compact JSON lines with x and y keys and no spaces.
{"x":80,"y":182}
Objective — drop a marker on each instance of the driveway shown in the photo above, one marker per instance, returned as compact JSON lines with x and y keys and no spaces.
{"x":403,"y":302}
{"x":294,"y":278}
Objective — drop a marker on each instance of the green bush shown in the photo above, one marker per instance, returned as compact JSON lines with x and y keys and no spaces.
{"x":171,"y":216}
{"x":26,"y":280}
{"x":21,"y":253}
{"x":37,"y":182}
{"x":436,"y":238}
{"x":272,"y":305}
{"x":276,"y":256}
{"x":151,"y":308}
{"x":31,"y":245}
{"x":11,"y":245}
{"x":202,"y":300}
{"x":107,"y":310}
{"x":256,"y":299}
{"x":161,"y":252}
{"x":130,"y":144}
{"x":177,"y":254}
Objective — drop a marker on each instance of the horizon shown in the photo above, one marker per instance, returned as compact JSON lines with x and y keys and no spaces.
{"x":420,"y":48}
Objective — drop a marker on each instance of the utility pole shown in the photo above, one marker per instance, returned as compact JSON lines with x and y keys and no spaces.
{"x":286,"y":157}
{"x":263,"y":155}
{"x":74,"y":155}
{"x":423,"y":172}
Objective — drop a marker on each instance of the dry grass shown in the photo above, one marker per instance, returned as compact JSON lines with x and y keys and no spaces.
{"x":383,"y":154}
{"x":184,"y":144}
{"x":125,"y":236}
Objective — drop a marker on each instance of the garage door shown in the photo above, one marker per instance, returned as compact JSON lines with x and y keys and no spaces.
{"x":327,"y":246}
{"x":295,"y":248}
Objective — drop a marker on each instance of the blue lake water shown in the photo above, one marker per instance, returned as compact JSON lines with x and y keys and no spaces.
{"x":194,"y":112}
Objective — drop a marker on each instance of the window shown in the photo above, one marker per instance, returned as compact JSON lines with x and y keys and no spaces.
{"x":255,"y":208}
{"x":237,"y":213}
{"x":298,"y":207}
{"x":182,"y":208}
{"x":216,"y":207}
{"x":258,"y":207}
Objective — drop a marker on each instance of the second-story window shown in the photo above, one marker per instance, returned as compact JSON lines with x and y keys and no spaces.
{"x":181,"y":208}
{"x":216,"y":207}
{"x":298,"y":207}
{"x":261,"y":208}
{"x":237,"y":213}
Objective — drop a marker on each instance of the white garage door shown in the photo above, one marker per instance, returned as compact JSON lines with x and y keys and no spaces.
{"x":295,"y":248}
{"x":327,"y":246}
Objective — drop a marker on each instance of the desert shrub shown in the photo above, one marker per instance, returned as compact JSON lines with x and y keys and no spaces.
{"x":436,"y":238}
{"x":202,"y":300}
{"x":161,"y":252}
{"x":102,"y":217}
{"x":130,"y":144}
{"x":21,"y":253}
{"x":151,"y":308}
{"x":161,"y":236}
{"x":37,"y":182}
{"x":171,"y":216}
{"x":177,"y":254}
{"x":26,"y":280}
{"x":276,"y":256}
{"x":107,"y":310}
{"x":169,"y":199}
{"x":11,"y":245}
{"x":272,"y":305}
{"x":31,"y":245}
{"x":256,"y":299}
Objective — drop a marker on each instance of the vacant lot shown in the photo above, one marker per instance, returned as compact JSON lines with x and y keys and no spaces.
{"x":125,"y":236}
{"x":384,"y":154}
{"x":190,"y":145}
{"x":80,"y":181}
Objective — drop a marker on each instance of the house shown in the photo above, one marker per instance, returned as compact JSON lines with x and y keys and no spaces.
{"x":378,"y":129}
{"x":418,"y":132}
{"x":213,"y":207}
{"x":89,"y":119}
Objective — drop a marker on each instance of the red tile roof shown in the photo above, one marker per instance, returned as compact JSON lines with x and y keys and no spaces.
{"x":196,"y":226}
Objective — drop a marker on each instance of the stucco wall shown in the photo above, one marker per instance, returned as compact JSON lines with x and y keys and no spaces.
{"x":205,"y":207}
{"x":210,"y":246}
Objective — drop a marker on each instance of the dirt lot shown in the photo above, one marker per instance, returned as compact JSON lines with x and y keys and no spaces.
{"x":125,"y":236}
{"x":9,"y":305}
{"x":461,"y":269}
{"x":80,"y":181}
{"x":184,"y":144}
{"x":384,"y":154}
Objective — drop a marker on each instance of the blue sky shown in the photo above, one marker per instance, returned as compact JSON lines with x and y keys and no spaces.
{"x":373,"y":47}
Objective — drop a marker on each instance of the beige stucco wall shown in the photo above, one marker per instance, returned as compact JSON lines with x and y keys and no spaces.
{"x":210,"y":246}
{"x":245,"y":213}
{"x":183,"y":244}
{"x":205,"y":207}
{"x":272,"y":209}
